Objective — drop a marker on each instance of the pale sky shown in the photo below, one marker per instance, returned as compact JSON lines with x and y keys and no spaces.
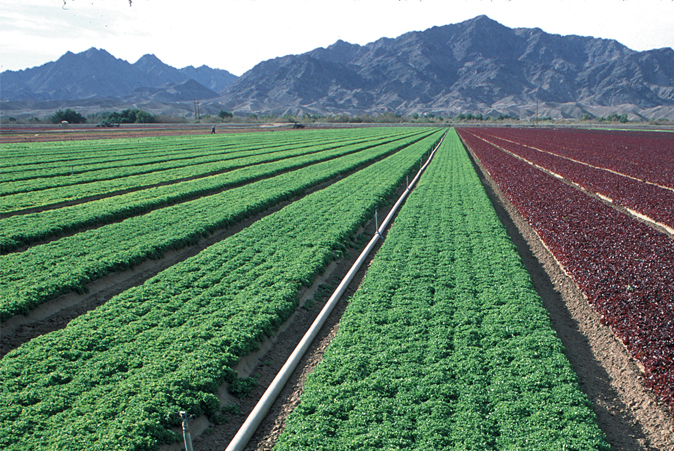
{"x":237,"y":34}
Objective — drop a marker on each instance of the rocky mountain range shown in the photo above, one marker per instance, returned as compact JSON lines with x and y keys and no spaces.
{"x":476,"y":66}
{"x":95,"y":73}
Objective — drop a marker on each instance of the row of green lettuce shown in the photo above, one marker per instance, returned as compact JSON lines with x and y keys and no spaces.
{"x":23,"y":230}
{"x":446,"y":345}
{"x":48,"y":159}
{"x":115,"y":377}
{"x":170,"y":154}
{"x":24,"y":194}
{"x":43,"y":272}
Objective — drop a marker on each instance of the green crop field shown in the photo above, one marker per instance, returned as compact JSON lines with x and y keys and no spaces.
{"x":167,"y":345}
{"x":445,"y":346}
{"x":43,"y":272}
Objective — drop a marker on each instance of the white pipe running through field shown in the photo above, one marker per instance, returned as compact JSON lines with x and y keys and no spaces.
{"x":251,"y":424}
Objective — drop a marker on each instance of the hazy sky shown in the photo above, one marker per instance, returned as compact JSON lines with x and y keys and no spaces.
{"x":237,"y":34}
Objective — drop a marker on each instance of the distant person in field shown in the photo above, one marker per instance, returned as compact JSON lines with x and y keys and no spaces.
{"x":213,"y":130}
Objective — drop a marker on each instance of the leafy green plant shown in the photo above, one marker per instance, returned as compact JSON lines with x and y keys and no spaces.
{"x":242,"y":387}
{"x":232,"y":408}
{"x":169,"y":344}
{"x":446,"y":345}
{"x":77,"y":260}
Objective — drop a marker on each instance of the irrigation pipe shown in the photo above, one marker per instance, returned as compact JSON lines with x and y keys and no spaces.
{"x":261,"y":409}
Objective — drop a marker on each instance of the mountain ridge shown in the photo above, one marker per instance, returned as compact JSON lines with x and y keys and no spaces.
{"x":95,"y":73}
{"x":476,"y":66}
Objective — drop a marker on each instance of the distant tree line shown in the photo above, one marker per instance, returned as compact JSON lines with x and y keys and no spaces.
{"x":138,"y":116}
{"x":480,"y":117}
{"x":613,"y":117}
{"x":108,"y":119}
{"x":128,"y":116}
{"x":68,"y":115}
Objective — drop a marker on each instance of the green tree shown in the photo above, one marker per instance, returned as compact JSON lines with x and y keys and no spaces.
{"x":225,"y":115}
{"x":289,"y":118}
{"x":143,"y":117}
{"x":129,"y":116}
{"x":73,"y":117}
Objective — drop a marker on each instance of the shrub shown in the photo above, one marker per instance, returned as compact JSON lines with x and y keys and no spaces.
{"x":73,"y":117}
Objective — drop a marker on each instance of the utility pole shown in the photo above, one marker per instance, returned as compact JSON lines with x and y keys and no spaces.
{"x":196,"y":110}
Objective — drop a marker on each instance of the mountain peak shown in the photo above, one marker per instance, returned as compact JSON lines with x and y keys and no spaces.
{"x":483,"y":23}
{"x":482,"y":18}
{"x":94,"y":53}
{"x":339,"y":52}
{"x":148,"y":58}
{"x":342,"y":44}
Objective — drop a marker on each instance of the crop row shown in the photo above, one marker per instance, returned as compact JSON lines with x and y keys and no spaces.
{"x":32,"y":277}
{"x":107,"y":180}
{"x":22,"y":230}
{"x":650,"y":200}
{"x":80,"y":155}
{"x":89,"y":169}
{"x":645,"y":156}
{"x":623,"y":267}
{"x":23,"y":201}
{"x":446,"y":345}
{"x":171,"y":154}
{"x":115,"y":377}
{"x":116,"y":154}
